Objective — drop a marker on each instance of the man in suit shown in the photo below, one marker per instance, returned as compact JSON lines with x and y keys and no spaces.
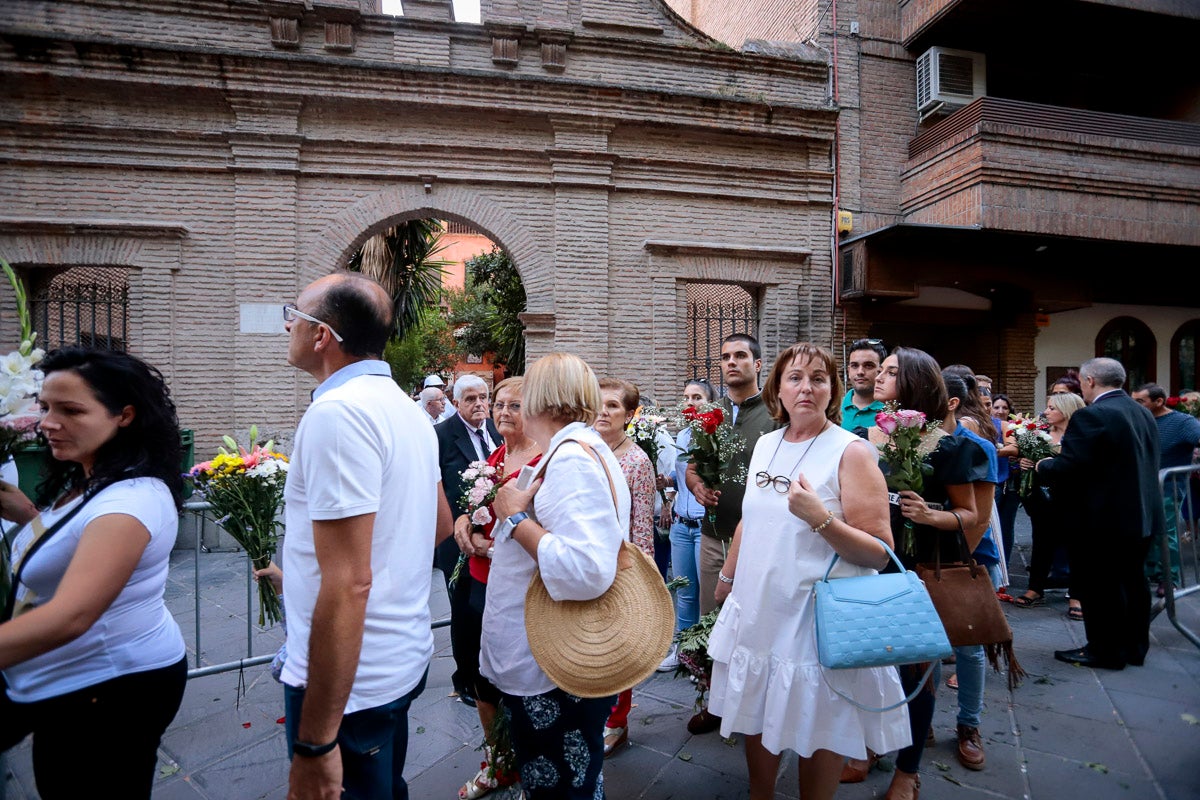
{"x":469,"y":435}
{"x":1107,"y":473}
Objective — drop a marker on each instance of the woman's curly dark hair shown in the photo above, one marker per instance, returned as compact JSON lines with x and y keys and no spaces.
{"x":148,"y":447}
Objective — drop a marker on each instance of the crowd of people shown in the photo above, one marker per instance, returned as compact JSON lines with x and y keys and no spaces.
{"x":93,"y":663}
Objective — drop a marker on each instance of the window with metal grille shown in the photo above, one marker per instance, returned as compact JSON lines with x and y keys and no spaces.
{"x":461,"y":228}
{"x":86,"y":306}
{"x":714,"y":311}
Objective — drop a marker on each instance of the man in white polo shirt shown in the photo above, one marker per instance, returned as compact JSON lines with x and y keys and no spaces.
{"x":363,"y":494}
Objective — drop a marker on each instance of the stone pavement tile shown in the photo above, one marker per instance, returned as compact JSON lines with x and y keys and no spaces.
{"x":210,"y":722}
{"x":630,"y":771}
{"x":1162,"y":714}
{"x":1076,"y":739}
{"x":1052,"y":776}
{"x":693,"y":780}
{"x":177,"y":788}
{"x":1171,"y":757}
{"x":441,"y":728}
{"x":1001,"y":774}
{"x":247,"y":774}
{"x":442,"y":780}
{"x":1082,"y":698}
{"x":1150,"y":681}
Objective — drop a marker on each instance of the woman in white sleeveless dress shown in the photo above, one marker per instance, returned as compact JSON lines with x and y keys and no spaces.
{"x":813,"y":489}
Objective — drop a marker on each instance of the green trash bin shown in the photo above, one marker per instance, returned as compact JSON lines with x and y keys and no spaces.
{"x":29,"y":463}
{"x":187,"y":460}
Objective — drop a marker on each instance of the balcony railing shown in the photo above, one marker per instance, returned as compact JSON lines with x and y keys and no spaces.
{"x":1070,"y":120}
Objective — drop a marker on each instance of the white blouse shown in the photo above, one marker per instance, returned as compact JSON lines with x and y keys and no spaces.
{"x":577,"y":557}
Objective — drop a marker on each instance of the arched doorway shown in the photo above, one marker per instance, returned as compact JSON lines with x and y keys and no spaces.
{"x":1130,"y":341}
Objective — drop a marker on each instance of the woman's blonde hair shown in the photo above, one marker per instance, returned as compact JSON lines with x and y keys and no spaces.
{"x":514,"y":384}
{"x":1066,"y":403}
{"x":562,"y":387}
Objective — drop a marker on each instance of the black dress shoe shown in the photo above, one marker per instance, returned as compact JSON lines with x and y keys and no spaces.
{"x":467,"y":698}
{"x":1084,"y":658}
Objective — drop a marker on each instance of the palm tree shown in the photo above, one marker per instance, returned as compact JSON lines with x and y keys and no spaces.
{"x":403,"y":259}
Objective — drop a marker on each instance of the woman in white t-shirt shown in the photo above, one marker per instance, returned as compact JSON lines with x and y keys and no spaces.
{"x":93,"y":661}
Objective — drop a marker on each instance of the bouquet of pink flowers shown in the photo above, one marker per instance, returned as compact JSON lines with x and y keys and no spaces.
{"x":904,"y":455}
{"x":20,"y":380}
{"x":245,"y":486}
{"x":714,"y":445}
{"x":481,"y":480}
{"x":1033,"y":442}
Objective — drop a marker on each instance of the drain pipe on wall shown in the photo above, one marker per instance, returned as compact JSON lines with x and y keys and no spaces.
{"x":833,"y":221}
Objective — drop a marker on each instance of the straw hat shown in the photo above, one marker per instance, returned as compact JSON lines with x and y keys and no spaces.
{"x":597,"y":648}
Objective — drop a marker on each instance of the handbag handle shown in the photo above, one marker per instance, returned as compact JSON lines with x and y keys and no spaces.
{"x":890,"y":552}
{"x":623,"y":558}
{"x":861,"y":707}
{"x":961,"y":538}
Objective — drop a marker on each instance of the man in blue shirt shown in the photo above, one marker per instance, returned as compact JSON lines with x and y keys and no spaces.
{"x":859,"y":406}
{"x":1178,"y":437}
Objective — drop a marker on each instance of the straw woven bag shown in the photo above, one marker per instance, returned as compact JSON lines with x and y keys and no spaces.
{"x":600,"y":647}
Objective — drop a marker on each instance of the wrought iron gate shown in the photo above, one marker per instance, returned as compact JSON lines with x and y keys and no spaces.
{"x":83,"y":306}
{"x":714,"y":311}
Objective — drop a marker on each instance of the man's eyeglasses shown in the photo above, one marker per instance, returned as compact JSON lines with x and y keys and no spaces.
{"x":513,"y":407}
{"x":781,"y":483}
{"x":290,"y":313}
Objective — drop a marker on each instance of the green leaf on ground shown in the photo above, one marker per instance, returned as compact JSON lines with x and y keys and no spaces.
{"x":942,"y":767}
{"x":953,"y":780}
{"x":1044,"y":681}
{"x":1190,"y":719}
{"x":421,"y":729}
{"x":167,"y":770}
{"x":730,"y":742}
{"x":685,"y":756}
{"x":1103,"y":770}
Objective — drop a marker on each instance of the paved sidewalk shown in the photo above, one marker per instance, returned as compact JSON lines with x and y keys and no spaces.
{"x":1067,"y":732}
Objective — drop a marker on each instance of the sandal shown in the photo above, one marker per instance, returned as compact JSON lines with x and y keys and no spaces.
{"x":1075,"y":614}
{"x":1029,"y":600}
{"x":952,"y":682}
{"x":613,"y":739}
{"x":487,"y":780}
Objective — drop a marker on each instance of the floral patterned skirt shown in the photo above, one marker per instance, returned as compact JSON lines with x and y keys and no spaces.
{"x":558,"y":739}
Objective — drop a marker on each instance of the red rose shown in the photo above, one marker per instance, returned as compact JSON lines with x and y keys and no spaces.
{"x":718,"y":414}
{"x":1172,"y":401}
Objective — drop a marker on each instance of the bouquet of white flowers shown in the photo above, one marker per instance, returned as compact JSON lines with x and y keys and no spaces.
{"x":20,"y":380}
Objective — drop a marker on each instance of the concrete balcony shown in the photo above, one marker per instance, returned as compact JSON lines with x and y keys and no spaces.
{"x":1028,"y":168}
{"x":920,"y":18}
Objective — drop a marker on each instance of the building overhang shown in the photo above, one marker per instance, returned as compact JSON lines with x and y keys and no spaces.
{"x":1015,"y":272}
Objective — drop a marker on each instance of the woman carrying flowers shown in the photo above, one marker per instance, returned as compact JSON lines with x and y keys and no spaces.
{"x":924,"y":520}
{"x":93,"y":660}
{"x":1050,"y":521}
{"x":474,"y":536}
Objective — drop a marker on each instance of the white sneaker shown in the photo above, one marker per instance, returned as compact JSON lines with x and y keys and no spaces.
{"x":670,"y":662}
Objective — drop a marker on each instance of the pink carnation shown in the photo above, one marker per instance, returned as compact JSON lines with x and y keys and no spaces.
{"x":481,"y":516}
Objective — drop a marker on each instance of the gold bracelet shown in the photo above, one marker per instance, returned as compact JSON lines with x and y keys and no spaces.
{"x":824,"y":524}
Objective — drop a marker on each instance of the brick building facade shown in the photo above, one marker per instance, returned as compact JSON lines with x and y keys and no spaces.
{"x":1043,"y":210}
{"x":223,"y":154}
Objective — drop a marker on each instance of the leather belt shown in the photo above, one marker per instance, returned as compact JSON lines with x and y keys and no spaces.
{"x":691,"y":523}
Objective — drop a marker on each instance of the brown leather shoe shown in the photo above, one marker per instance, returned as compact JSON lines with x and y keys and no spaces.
{"x":703,"y":722}
{"x":904,"y":786}
{"x":970,"y":748}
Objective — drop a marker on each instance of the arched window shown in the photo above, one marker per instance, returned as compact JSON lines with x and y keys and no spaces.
{"x":1185,"y":362}
{"x":1128,"y":340}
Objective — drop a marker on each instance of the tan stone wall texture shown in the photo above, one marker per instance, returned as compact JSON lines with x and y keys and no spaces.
{"x":621,"y":156}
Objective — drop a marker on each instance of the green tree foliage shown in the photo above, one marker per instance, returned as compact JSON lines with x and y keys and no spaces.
{"x":487,"y":310}
{"x":427,"y":347}
{"x":404,"y":260}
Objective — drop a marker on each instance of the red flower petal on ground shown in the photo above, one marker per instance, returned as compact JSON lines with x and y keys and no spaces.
{"x":245,"y":724}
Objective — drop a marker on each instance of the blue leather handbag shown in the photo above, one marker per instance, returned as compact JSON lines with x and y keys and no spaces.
{"x":877,"y":621}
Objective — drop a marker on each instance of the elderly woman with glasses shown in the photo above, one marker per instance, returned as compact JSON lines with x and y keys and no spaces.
{"x":813,"y":490}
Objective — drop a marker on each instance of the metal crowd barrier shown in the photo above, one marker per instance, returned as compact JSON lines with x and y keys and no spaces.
{"x":1177,"y":482}
{"x":200,"y":509}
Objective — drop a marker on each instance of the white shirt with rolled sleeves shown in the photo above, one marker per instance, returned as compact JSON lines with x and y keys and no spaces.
{"x":363,"y":447}
{"x":577,"y":557}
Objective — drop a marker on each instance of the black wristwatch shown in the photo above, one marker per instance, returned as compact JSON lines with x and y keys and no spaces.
{"x":307,"y":750}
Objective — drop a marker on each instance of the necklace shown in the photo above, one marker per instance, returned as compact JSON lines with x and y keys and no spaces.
{"x":783,"y":482}
{"x":624,"y":441}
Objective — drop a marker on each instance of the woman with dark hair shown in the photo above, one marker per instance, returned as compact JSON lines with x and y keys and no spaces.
{"x":93,"y":660}
{"x":912,"y":378}
{"x":813,"y":491}
{"x":685,"y":527}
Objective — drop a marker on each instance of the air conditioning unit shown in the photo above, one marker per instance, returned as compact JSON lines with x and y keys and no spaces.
{"x":949,"y":79}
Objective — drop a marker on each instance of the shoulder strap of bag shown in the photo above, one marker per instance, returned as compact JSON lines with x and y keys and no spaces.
{"x":11,"y":601}
{"x":622,"y":555}
{"x":861,"y":707}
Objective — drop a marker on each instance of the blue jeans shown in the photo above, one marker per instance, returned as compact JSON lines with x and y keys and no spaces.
{"x":685,"y":561}
{"x":970,"y":667}
{"x":373,"y":745}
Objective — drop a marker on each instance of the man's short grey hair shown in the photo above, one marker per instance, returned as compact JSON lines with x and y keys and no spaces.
{"x":1106,"y":372}
{"x":430,"y":393}
{"x":467,"y":382}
